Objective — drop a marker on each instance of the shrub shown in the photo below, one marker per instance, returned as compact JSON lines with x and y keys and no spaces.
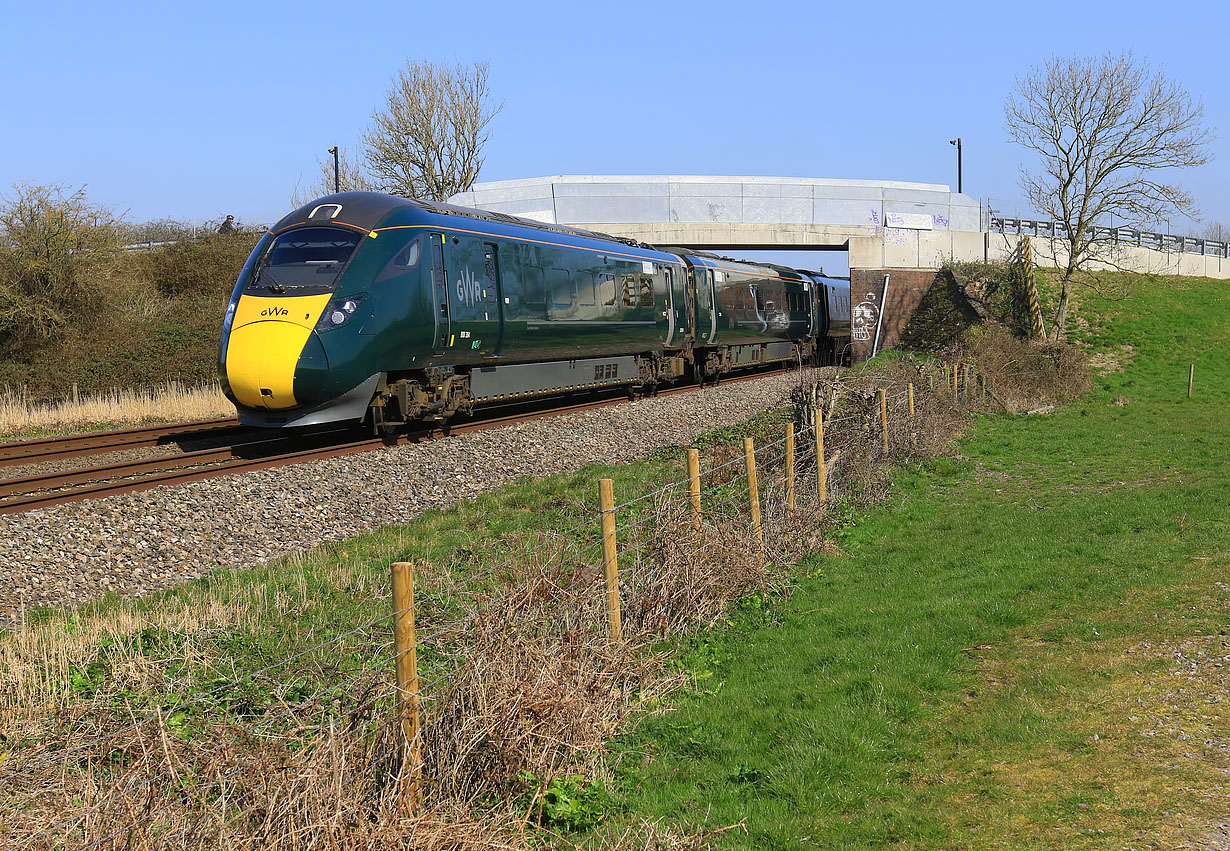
{"x":206,"y":265}
{"x":1025,"y":374}
{"x":56,"y":249}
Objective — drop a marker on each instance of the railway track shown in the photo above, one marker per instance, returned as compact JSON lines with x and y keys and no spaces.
{"x":54,"y":448}
{"x":248,"y":453}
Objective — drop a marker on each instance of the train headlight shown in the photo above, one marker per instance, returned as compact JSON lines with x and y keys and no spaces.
{"x":339,"y":312}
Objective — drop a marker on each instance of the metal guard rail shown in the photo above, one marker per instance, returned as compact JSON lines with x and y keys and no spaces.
{"x":1117,"y":235}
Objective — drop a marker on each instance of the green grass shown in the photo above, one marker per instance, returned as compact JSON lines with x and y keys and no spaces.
{"x":971,"y":632}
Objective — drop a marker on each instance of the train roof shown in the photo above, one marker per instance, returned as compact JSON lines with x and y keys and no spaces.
{"x":368,"y":210}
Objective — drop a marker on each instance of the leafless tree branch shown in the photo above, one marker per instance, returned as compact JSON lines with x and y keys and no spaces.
{"x":427,"y":139}
{"x":1107,"y":130}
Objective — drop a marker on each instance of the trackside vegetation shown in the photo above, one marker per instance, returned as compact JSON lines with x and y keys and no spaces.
{"x":88,"y":299}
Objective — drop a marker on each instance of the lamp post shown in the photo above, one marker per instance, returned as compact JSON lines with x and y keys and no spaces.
{"x":337,"y":183}
{"x":957,"y":142}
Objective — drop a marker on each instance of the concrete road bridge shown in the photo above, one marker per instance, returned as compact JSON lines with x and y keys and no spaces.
{"x":897,"y":234}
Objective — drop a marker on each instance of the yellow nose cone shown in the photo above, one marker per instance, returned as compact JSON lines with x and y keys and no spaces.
{"x":267,"y":337}
{"x":260,"y":363}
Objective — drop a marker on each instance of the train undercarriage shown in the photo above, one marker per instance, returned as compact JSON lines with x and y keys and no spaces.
{"x":436,"y":394}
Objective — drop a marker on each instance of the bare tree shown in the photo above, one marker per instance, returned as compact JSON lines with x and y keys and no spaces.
{"x":1216,"y":231}
{"x":352,"y":175}
{"x":1105,"y":128}
{"x":427,"y":140}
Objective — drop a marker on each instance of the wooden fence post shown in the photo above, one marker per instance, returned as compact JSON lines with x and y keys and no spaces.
{"x":749,"y":457}
{"x":883,"y":417}
{"x":694,"y":486}
{"x":610,"y":559}
{"x":822,"y":477}
{"x":954,"y":384}
{"x":1191,"y":379}
{"x":910,"y":396}
{"x":407,"y":672}
{"x":790,"y":469}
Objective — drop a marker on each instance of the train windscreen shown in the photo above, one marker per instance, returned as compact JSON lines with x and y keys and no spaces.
{"x":306,"y":261}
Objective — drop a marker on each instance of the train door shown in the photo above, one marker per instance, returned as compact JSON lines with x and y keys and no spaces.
{"x":701,"y":300}
{"x":670,"y":302}
{"x":477,"y":306}
{"x":710,"y":301}
{"x":439,"y":294}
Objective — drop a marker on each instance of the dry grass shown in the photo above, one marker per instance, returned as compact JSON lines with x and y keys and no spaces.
{"x":1026,"y":374}
{"x":169,"y":403}
{"x":523,"y":687}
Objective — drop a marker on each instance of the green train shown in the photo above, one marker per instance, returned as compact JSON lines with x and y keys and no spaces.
{"x":363,"y":306}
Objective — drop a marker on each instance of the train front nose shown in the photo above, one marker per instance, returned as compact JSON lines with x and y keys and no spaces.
{"x":274,"y":365}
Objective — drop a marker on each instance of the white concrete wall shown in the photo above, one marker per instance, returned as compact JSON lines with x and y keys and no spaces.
{"x":626,"y":199}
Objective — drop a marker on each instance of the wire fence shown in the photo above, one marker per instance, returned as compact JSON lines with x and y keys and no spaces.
{"x":500,"y":679}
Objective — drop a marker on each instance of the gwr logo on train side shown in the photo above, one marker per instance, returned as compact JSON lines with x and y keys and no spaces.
{"x":469,"y":291}
{"x":275,"y":311}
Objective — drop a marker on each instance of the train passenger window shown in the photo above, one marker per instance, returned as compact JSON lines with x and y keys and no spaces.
{"x":646,"y":292}
{"x":606,"y":289}
{"x":533,"y":291}
{"x":585,"y":289}
{"x":560,"y":285}
{"x":627,"y":286}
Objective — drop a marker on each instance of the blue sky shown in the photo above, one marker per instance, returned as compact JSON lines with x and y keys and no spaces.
{"x":198,"y":110}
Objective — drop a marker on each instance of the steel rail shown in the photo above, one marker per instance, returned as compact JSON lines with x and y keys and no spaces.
{"x":95,"y":443}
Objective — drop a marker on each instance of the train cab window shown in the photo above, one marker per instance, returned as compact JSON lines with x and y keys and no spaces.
{"x":606,"y":289}
{"x":404,"y":261}
{"x":759,"y":296}
{"x":408,"y":257}
{"x":304,"y":261}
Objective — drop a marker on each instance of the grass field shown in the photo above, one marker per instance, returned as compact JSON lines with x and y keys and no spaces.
{"x":1019,"y":650}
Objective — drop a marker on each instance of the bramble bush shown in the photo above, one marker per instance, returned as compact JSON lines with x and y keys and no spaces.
{"x":57,"y":249}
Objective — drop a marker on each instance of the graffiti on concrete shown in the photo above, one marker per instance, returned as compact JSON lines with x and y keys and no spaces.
{"x":896,"y":236}
{"x":863,"y":317}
